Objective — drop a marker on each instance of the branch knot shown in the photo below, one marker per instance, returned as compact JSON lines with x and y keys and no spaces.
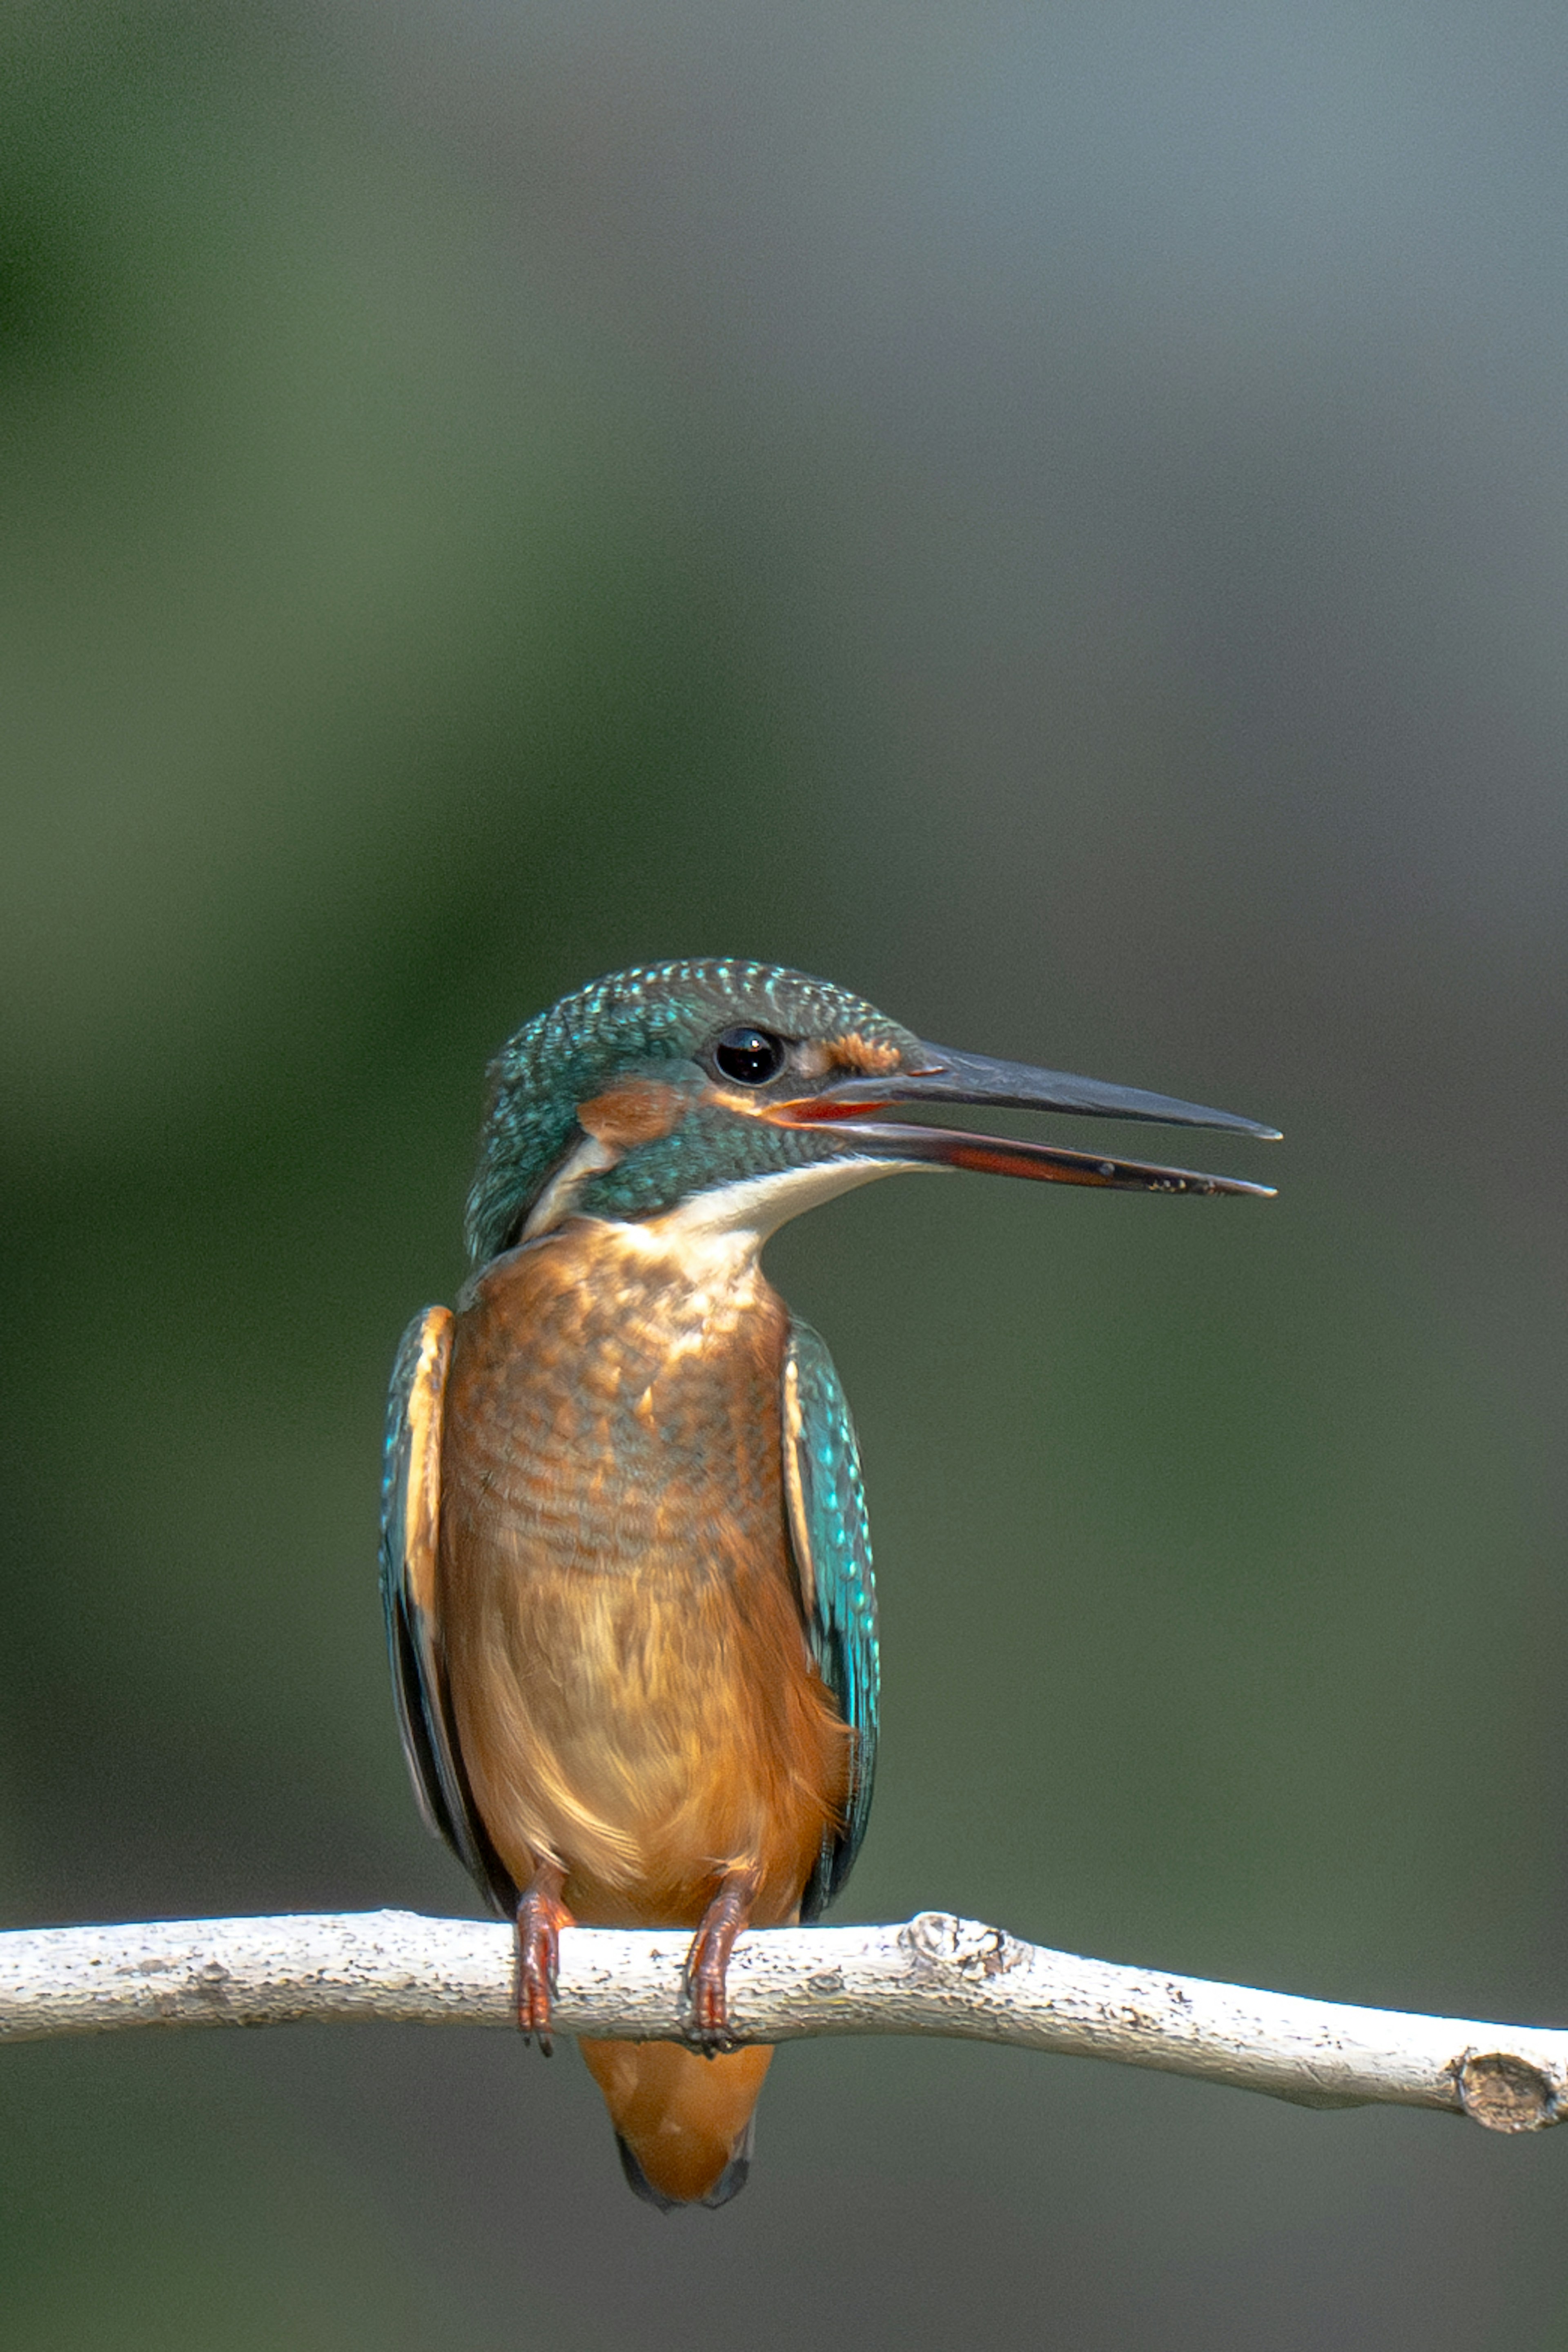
{"x":1505,"y":2092}
{"x":939,"y":1941}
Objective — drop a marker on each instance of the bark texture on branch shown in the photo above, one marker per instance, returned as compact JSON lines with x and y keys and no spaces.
{"x":936,"y":1974}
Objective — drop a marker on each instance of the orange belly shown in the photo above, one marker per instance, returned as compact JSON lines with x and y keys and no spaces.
{"x":625,"y":1645}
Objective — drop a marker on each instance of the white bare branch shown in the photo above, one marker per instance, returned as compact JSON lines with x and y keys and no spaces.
{"x":935,"y":1974}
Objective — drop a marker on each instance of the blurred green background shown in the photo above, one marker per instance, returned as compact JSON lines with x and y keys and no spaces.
{"x":1054,"y":515}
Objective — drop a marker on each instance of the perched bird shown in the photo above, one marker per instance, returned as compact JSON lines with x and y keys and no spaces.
{"x":624,"y":1558}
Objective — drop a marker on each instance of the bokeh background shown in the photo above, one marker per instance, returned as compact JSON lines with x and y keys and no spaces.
{"x":1056,"y":516}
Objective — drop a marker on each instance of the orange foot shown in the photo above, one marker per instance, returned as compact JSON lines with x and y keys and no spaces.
{"x":540,"y":1916}
{"x":708,"y":2027}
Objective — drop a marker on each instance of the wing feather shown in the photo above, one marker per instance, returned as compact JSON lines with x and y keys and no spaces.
{"x":410,"y":1526}
{"x":832,"y":1543}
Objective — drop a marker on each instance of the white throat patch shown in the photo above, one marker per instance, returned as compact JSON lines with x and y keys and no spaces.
{"x":731,"y":1222}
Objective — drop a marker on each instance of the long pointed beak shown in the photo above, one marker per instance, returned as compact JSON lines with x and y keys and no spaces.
{"x":949,"y":1077}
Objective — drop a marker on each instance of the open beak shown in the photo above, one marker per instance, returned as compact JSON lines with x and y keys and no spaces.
{"x":947,"y":1076}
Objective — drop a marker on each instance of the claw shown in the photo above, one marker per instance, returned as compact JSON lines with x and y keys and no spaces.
{"x":708,"y":1961}
{"x":540,"y":1916}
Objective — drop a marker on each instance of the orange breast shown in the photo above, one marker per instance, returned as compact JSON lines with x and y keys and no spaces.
{"x":627,"y":1662}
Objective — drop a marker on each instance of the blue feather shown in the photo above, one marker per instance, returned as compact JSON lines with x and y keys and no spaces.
{"x":832,"y":1543}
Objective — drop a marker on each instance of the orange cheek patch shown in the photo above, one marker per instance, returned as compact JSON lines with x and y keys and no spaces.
{"x":640,"y":1111}
{"x":862,"y":1054}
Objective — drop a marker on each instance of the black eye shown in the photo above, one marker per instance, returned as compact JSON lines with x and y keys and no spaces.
{"x":749,"y":1056}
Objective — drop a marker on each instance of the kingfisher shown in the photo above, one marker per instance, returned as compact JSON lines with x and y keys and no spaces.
{"x":624,"y":1558}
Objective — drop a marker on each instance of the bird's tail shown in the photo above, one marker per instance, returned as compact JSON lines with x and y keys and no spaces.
{"x":683,"y":2123}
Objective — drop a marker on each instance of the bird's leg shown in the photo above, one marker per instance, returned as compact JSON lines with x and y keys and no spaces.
{"x":730,"y":1912}
{"x":540,"y":1916}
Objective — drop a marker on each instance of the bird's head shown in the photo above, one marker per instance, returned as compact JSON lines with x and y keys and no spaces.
{"x":738,"y":1094}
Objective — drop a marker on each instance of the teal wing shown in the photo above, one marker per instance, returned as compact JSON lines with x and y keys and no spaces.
{"x":410,"y":1521}
{"x":833,"y":1559}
